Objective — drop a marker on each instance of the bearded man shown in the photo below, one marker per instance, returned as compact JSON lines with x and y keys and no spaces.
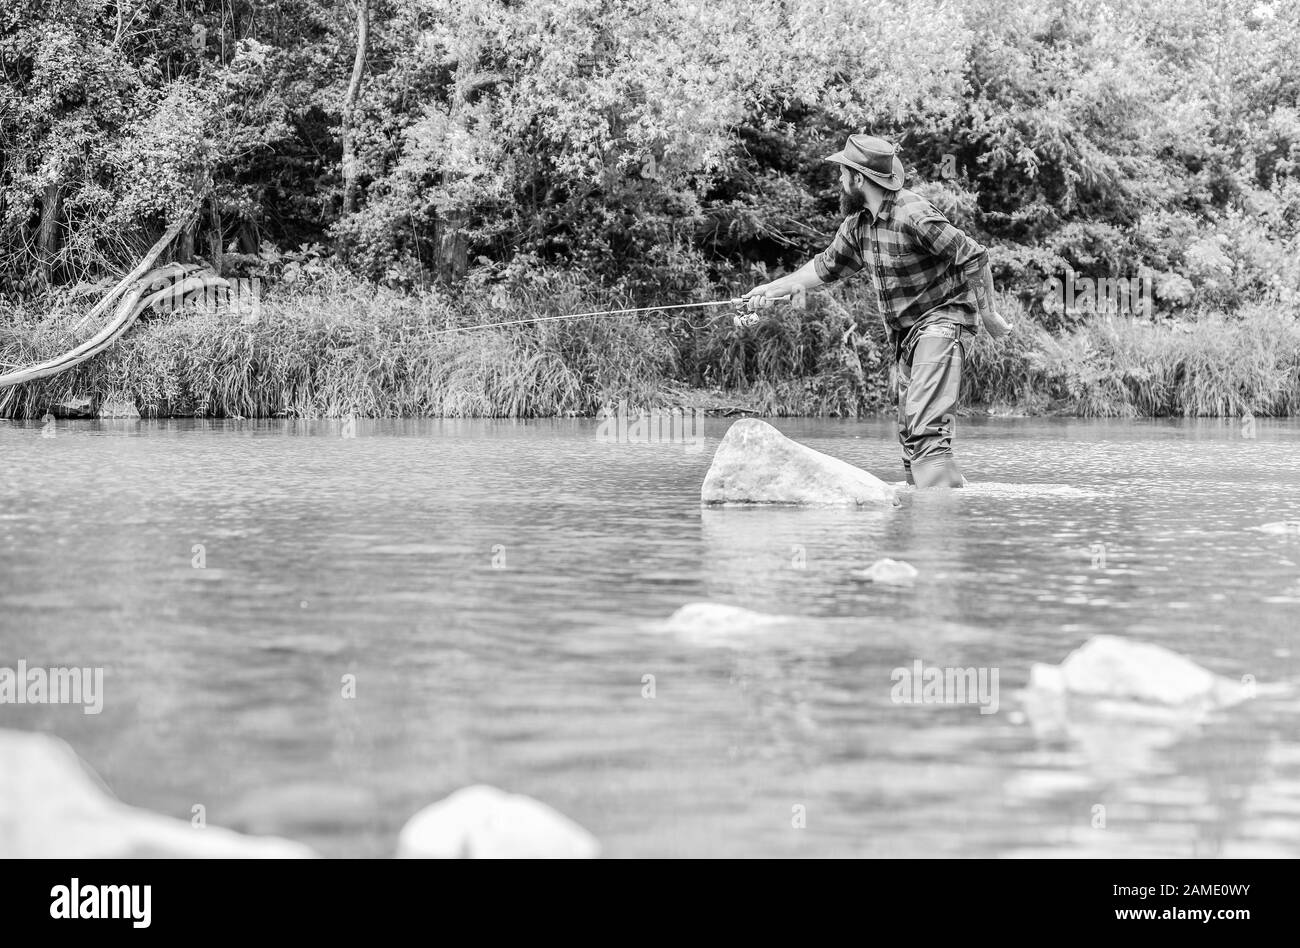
{"x":934,"y":285}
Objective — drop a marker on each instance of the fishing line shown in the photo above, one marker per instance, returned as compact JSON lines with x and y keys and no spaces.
{"x":595,"y":313}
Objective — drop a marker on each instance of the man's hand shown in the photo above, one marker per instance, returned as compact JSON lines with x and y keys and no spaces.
{"x":996,"y":326}
{"x":792,"y":286}
{"x":981,"y":280}
{"x":761,"y":297}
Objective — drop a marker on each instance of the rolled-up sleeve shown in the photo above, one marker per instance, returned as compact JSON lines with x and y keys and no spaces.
{"x":842,"y":257}
{"x":936,"y":235}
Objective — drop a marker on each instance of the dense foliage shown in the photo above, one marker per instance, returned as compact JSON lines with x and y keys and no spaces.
{"x":662,"y":149}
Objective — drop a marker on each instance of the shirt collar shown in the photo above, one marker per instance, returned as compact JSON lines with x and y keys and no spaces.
{"x":886,"y":209}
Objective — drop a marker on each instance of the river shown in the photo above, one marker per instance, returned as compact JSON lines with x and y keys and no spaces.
{"x":316,"y":635}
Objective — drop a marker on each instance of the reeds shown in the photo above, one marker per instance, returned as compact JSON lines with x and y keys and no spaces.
{"x":356,"y":350}
{"x":1216,"y":365}
{"x":339,"y":347}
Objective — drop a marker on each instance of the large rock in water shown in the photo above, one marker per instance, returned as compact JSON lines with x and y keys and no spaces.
{"x":51,"y":808}
{"x":1107,"y":667}
{"x":1122,"y":704}
{"x":482,"y":822}
{"x":756,"y":464}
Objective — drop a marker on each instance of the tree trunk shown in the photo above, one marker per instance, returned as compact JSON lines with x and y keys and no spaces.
{"x":215,"y":248}
{"x":453,"y":248}
{"x":349,"y":109}
{"x":47,"y":237}
{"x":249,"y":241}
{"x":452,"y":245}
{"x":185,"y":244}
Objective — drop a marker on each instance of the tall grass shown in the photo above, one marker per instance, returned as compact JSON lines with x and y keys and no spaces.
{"x":340,"y":347}
{"x":1215,"y":365}
{"x":362,"y":351}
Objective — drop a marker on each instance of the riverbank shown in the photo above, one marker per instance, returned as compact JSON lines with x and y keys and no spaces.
{"x":357,"y":350}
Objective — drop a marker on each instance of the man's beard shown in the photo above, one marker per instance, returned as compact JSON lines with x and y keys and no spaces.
{"x":851,"y":202}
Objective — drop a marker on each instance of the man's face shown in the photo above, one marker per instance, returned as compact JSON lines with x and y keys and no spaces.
{"x":853,"y":197}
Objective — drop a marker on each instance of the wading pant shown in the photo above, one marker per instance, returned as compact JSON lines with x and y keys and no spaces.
{"x":929,"y":381}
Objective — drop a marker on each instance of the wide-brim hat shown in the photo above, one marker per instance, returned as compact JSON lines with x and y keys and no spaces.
{"x":874,"y":157}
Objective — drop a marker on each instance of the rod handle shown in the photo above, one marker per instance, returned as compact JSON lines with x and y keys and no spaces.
{"x":776,"y":299}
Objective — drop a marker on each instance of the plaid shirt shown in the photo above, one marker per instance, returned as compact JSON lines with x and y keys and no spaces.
{"x":917,"y":259}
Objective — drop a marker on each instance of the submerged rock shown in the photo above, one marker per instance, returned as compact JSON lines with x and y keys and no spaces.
{"x":52,"y":808}
{"x":777,"y":635}
{"x":714,"y":623}
{"x":482,"y":822}
{"x":1281,"y":527}
{"x":756,"y":464}
{"x":718,"y":615}
{"x":78,"y":406}
{"x":890,"y":572}
{"x":1117,"y":669}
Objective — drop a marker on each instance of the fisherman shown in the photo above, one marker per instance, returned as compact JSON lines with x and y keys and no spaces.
{"x":935,"y":287}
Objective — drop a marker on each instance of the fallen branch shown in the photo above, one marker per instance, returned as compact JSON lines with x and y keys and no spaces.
{"x":129,"y":307}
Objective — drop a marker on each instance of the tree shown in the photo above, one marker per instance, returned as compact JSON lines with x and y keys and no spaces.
{"x":349,"y":108}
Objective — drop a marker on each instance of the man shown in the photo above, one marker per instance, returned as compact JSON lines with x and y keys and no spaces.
{"x":934,"y":285}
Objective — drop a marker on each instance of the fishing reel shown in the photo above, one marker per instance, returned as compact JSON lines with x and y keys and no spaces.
{"x":749,"y":314}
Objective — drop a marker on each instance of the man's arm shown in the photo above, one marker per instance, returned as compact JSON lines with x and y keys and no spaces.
{"x":838,"y":260}
{"x":936,"y":235}
{"x":805,"y":278}
{"x":980,"y":279}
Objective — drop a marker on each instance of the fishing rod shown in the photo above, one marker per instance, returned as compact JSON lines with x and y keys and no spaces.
{"x":601,"y":312}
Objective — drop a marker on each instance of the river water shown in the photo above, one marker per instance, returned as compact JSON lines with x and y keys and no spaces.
{"x":316,"y":635}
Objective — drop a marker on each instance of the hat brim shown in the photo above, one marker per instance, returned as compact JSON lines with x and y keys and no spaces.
{"x":890,"y":182}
